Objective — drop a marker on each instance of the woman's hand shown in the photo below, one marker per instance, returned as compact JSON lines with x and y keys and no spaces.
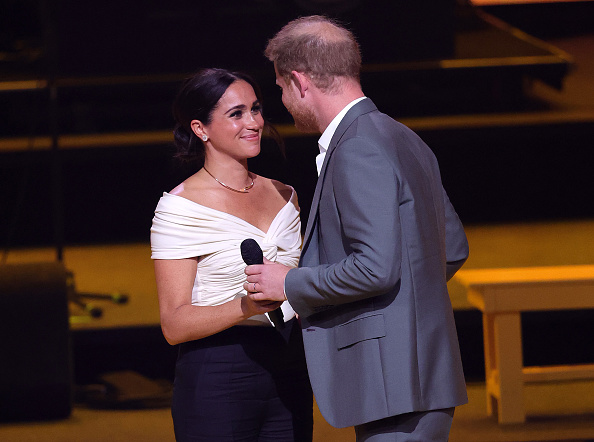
{"x":251,"y":307}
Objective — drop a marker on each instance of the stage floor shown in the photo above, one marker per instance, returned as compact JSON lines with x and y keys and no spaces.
{"x":559,"y":413}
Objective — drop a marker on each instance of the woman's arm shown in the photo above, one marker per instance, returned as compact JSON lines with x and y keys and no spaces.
{"x":180,"y":320}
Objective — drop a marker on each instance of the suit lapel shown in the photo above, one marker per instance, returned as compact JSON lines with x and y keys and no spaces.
{"x":364,"y":106}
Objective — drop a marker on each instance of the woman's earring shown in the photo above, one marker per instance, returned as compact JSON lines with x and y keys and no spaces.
{"x":204,"y":138}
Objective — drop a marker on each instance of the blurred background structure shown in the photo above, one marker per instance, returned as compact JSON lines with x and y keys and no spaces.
{"x":502,"y":91}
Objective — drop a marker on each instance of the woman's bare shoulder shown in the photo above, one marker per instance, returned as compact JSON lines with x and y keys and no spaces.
{"x":195,"y":189}
{"x":284,"y":190}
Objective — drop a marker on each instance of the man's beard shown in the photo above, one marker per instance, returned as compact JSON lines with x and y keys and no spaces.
{"x":305,"y":120}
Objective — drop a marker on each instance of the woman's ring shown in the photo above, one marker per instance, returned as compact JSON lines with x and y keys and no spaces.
{"x":254,"y":290}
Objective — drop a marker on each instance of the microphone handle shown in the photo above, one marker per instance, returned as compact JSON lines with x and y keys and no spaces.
{"x":252,"y":254}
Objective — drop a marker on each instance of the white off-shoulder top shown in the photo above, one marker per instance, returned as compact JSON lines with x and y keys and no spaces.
{"x":185,"y":229}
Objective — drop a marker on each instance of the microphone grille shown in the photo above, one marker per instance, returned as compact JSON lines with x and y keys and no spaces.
{"x":251,"y":252}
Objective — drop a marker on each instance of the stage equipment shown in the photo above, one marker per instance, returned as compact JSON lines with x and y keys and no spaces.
{"x":36,"y":368}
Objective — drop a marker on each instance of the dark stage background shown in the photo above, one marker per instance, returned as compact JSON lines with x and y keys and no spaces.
{"x":116,"y":67}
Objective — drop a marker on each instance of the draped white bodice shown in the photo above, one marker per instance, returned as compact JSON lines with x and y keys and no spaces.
{"x":185,"y":229}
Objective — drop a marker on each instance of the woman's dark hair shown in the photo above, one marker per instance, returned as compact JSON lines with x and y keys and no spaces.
{"x":196,"y":100}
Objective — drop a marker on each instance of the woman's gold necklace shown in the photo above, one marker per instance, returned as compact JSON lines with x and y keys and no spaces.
{"x":244,"y":190}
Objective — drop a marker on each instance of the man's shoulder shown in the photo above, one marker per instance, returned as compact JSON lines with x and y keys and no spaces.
{"x":375,"y":122}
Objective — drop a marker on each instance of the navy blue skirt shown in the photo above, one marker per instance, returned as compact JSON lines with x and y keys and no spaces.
{"x":245,"y":383}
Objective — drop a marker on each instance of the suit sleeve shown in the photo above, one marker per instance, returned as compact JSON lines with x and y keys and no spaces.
{"x":365,"y":189}
{"x":456,"y":241}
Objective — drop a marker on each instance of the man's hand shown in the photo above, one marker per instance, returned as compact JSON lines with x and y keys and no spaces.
{"x":266,"y":281}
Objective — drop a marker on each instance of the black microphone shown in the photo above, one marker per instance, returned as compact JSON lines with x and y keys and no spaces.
{"x":252,"y":254}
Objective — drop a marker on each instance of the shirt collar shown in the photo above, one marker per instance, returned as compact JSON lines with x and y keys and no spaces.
{"x":324,"y":141}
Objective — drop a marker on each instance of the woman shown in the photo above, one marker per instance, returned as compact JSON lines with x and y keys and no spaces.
{"x":236,"y":377}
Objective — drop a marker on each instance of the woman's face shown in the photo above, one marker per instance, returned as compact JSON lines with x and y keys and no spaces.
{"x":237,"y":122}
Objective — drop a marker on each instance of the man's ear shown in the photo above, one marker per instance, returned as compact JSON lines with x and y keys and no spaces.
{"x":301,"y":81}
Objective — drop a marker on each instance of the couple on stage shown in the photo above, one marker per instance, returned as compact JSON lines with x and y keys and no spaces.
{"x":369,"y":325}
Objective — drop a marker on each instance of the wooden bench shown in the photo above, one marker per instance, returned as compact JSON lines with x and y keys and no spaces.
{"x":501,"y":295}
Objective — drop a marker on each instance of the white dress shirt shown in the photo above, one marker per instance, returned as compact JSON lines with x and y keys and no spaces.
{"x":326,"y":137}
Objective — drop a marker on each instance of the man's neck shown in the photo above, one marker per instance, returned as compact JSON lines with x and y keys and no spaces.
{"x":330,"y":105}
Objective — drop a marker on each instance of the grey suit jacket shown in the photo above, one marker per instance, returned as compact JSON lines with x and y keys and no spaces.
{"x":382,"y":240}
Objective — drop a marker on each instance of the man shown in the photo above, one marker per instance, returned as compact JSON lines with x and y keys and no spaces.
{"x":381,"y":241}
